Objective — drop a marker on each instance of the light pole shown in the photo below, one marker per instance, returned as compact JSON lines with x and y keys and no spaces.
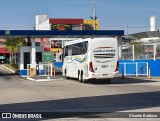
{"x":94,"y":14}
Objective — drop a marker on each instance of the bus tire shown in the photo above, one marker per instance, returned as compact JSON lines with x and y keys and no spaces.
{"x":65,"y":75}
{"x":82,"y":78}
{"x":79,"y":76}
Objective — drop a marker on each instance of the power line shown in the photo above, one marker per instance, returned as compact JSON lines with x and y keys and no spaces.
{"x":130,"y":19}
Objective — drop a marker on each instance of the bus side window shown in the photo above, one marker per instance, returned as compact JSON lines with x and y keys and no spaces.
{"x":65,"y":51}
{"x":70,"y":50}
{"x":78,"y":48}
{"x":84,"y":47}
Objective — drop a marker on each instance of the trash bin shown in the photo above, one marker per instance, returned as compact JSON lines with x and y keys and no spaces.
{"x":31,"y":72}
{"x":37,"y":72}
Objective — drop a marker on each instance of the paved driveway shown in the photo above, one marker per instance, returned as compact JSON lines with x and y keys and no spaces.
{"x":123,"y":95}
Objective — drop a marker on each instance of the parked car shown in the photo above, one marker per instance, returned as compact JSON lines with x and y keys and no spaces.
{"x":2,"y":61}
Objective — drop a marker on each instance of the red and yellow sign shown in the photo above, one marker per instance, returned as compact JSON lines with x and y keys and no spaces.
{"x":91,"y":22}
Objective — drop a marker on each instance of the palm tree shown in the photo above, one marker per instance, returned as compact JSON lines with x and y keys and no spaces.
{"x":12,"y":45}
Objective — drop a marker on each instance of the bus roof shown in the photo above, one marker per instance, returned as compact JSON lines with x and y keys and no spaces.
{"x":82,"y":40}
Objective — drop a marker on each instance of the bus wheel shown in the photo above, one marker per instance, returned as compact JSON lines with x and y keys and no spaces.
{"x":79,"y":77}
{"x":82,"y":78}
{"x":65,"y":74}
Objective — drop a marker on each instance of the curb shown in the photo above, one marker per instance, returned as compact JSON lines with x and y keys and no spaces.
{"x":43,"y":80}
{"x":7,"y":69}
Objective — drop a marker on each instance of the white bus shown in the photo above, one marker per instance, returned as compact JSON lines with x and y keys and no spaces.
{"x":91,"y":58}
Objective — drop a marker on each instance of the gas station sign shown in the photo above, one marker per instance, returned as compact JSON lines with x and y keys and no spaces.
{"x":47,"y":56}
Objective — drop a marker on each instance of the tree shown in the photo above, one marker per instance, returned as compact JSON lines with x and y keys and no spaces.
{"x":138,"y":48}
{"x":12,"y":45}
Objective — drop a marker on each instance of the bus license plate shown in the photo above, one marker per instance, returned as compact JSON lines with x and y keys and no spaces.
{"x":104,"y":66}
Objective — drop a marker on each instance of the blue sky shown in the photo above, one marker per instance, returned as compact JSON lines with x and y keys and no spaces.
{"x":112,"y":14}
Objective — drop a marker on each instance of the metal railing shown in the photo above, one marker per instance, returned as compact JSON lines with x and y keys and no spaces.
{"x":40,"y":70}
{"x":141,"y":51}
{"x":134,"y":69}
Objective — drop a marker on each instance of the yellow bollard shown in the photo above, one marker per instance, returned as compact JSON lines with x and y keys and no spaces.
{"x":31,"y":72}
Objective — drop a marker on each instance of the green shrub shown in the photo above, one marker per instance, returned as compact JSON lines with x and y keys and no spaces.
{"x":12,"y":66}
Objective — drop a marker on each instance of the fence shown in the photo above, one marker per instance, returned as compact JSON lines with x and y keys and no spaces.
{"x":140,"y":51}
{"x":127,"y":52}
{"x":134,"y":69}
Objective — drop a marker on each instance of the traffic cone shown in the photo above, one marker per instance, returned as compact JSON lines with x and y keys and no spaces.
{"x":149,"y":73}
{"x":54,"y":73}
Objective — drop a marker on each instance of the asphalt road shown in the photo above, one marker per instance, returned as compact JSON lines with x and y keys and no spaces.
{"x":96,"y":98}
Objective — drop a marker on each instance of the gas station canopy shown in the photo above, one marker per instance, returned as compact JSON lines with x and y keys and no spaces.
{"x":55,"y":33}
